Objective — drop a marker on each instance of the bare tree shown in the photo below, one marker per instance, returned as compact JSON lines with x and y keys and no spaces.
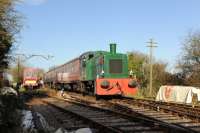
{"x":189,"y":63}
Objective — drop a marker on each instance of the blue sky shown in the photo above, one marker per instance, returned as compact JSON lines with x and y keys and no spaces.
{"x":67,"y":28}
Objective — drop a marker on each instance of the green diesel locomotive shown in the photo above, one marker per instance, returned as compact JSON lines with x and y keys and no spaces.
{"x":97,"y":72}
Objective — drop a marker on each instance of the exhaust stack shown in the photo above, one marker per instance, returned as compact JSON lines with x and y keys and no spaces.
{"x":113,"y":48}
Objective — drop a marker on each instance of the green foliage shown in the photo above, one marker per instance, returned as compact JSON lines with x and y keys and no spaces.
{"x":14,"y":71}
{"x":9,"y":27}
{"x":22,"y":89}
{"x":5,"y":45}
{"x":137,"y":62}
{"x":9,"y":115}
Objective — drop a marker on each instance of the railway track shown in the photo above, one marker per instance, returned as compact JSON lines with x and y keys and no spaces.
{"x":102,"y":116}
{"x":181,"y":115}
{"x":190,"y":111}
{"x":166,"y":113}
{"x":57,"y":118}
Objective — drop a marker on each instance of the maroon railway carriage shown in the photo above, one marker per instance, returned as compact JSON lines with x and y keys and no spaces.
{"x":66,"y":73}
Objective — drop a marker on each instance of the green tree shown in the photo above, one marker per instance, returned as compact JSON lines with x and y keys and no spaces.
{"x":17,"y":76}
{"x":159,"y":76}
{"x":138,"y":63}
{"x":9,"y":28}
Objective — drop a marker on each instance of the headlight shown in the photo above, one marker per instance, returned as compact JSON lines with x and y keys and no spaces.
{"x":102,"y":73}
{"x":131,"y":73}
{"x":132,"y":84}
{"x":105,"y":84}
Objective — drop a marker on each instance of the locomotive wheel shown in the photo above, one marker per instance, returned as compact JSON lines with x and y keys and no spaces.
{"x":75,"y":87}
{"x":68,"y":87}
{"x":97,"y":97}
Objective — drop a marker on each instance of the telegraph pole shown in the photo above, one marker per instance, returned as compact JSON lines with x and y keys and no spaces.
{"x":18,"y":68}
{"x":151,"y":46}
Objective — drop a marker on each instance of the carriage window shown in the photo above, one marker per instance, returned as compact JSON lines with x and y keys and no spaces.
{"x":115,"y":66}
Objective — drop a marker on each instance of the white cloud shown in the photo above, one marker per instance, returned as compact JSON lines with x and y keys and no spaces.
{"x":34,"y":2}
